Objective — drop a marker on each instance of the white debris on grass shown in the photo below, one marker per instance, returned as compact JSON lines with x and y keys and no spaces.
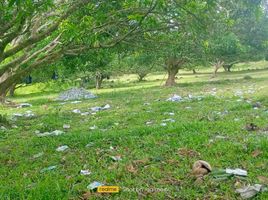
{"x":48,"y":168}
{"x":38,"y":155}
{"x":66,"y":126}
{"x":76,"y":111}
{"x":168,"y":120}
{"x":91,"y":144}
{"x":94,"y":185}
{"x":53,"y":133}
{"x":163,"y":124}
{"x":149,"y":123}
{"x":76,"y":102}
{"x":116,"y":158}
{"x":238,"y":172}
{"x":24,"y":105}
{"x":248,"y":192}
{"x":62,"y":148}
{"x":98,"y":108}
{"x":175,"y":98}
{"x":169,"y":113}
{"x":85,"y":172}
{"x":93,"y":127}
{"x":27,"y":114}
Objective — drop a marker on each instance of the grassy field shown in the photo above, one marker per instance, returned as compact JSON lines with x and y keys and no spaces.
{"x":156,"y":160}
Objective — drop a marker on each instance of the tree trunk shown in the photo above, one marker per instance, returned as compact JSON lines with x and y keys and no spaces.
{"x":171,"y":77}
{"x":141,"y":77}
{"x":194,"y":72}
{"x":3,"y":94}
{"x":98,"y":83}
{"x":217,"y":66}
{"x":12,"y":90}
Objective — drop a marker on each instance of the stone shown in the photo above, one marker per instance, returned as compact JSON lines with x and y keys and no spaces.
{"x":75,"y":94}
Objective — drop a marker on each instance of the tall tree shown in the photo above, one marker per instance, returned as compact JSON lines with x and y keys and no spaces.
{"x":36,"y":33}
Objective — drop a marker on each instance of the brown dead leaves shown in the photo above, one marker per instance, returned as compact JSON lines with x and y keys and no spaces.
{"x":188,"y":153}
{"x":256,"y":153}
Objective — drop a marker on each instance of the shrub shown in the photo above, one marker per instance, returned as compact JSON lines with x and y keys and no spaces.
{"x":3,"y":120}
{"x":247,"y":77}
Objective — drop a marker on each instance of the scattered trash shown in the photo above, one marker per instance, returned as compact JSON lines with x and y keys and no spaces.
{"x":76,"y":102}
{"x":62,"y":148}
{"x":85,"y":172}
{"x":107,"y":106}
{"x":248,"y":192}
{"x":149,"y":123}
{"x":94,"y":185}
{"x":3,"y":128}
{"x":188,"y":107}
{"x":77,"y":111}
{"x":56,"y":133}
{"x":27,"y":114}
{"x":38,"y":155}
{"x":146,"y":104}
{"x":24,"y":105}
{"x":200,"y":169}
{"x":48,"y":168}
{"x":169,"y":113}
{"x":97,"y":108}
{"x":75,"y":94}
{"x":163,"y":124}
{"x":91,"y":144}
{"x":116,"y":158}
{"x":238,"y":172}
{"x":168,"y":120}
{"x":175,"y":98}
{"x":85,"y":113}
{"x":14,"y":126}
{"x":93,"y":127}
{"x":66,"y":126}
{"x":251,"y":127}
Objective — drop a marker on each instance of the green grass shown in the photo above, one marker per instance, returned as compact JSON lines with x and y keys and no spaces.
{"x":152,"y":150}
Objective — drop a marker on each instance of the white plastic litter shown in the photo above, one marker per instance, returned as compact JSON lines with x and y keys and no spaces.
{"x":238,"y":172}
{"x":94,"y":185}
{"x":85,"y":172}
{"x":175,"y":98}
{"x":56,"y":133}
{"x":66,"y":126}
{"x":38,"y":155}
{"x":250,"y":191}
{"x":62,"y":148}
{"x":93,"y":127}
{"x":77,"y":111}
{"x":48,"y":168}
{"x":24,"y":105}
{"x":116,"y":158}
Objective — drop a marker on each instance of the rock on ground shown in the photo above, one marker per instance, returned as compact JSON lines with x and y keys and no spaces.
{"x":75,"y":94}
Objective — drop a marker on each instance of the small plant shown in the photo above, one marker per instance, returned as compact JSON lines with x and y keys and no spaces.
{"x":247,"y":77}
{"x":3,"y":120}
